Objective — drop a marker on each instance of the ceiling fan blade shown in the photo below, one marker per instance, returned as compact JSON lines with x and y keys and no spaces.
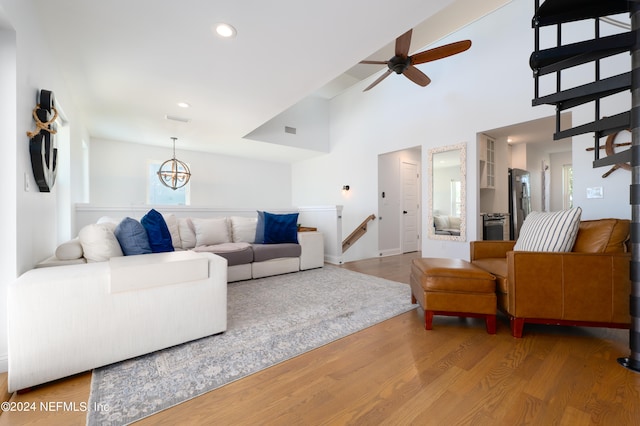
{"x":403,"y":43}
{"x":375,"y":62}
{"x":378,"y":80}
{"x":417,"y":76}
{"x":440,"y":52}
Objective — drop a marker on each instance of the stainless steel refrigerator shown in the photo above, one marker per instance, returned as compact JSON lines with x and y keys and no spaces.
{"x":519,"y":200}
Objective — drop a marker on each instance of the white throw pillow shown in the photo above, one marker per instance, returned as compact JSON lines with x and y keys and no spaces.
{"x":108,"y":219}
{"x":243,"y":229}
{"x":99,"y":243}
{"x":69,"y":250}
{"x":454,"y":222}
{"x":441,"y":222}
{"x":187,"y":233}
{"x":549,"y":231}
{"x":172,"y":224}
{"x":211,"y":231}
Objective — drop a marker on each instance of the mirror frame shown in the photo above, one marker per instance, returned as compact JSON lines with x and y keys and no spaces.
{"x":462,"y":147}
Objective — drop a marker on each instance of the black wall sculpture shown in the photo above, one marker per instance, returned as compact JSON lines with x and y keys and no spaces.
{"x":42,"y":146}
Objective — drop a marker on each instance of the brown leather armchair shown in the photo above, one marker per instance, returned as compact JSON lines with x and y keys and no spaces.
{"x":589,"y":286}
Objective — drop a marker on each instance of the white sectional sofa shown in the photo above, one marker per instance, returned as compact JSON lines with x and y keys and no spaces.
{"x":233,"y":238}
{"x":124,"y":288}
{"x":73,"y":318}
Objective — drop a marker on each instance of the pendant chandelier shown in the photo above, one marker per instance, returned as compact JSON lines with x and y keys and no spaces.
{"x":174,"y":173}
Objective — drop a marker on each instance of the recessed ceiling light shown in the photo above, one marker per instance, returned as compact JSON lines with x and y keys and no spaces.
{"x":183,"y":105}
{"x":225,"y":30}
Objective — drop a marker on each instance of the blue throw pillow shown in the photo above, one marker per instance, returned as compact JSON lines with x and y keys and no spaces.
{"x":280,"y":228}
{"x":157,"y":231}
{"x":260,"y":228}
{"x":132,"y":237}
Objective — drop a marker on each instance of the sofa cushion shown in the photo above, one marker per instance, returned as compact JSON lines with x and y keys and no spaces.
{"x":280,"y":228}
{"x":210,"y":231}
{"x":259,"y":238}
{"x":441,"y":222}
{"x":54,"y":261}
{"x":243,"y":229}
{"x":70,"y":250}
{"x":157,"y":231}
{"x":156,"y":269}
{"x":132,"y":237}
{"x":498,"y":267}
{"x":602,"y":236}
{"x":455,"y":222}
{"x":172,"y":225}
{"x":264,"y":252}
{"x":235,"y":253}
{"x":99,"y":243}
{"x":187,"y":233}
{"x":549,"y":231}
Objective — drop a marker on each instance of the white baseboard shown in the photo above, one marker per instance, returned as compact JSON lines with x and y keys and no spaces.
{"x":334,"y":260}
{"x":390,"y":252}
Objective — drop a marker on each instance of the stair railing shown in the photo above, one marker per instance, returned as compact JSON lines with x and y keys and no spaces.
{"x":357,"y":233}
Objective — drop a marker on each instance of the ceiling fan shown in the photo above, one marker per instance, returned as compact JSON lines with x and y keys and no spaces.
{"x":402,"y":63}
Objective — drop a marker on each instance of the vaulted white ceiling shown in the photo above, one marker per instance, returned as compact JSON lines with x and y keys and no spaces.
{"x":129,"y":63}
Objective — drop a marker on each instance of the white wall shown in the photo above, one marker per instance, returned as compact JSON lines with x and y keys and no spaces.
{"x":489,"y":86}
{"x":8,"y":173}
{"x":119,"y":177}
{"x":26,"y":66}
{"x":309,"y":118}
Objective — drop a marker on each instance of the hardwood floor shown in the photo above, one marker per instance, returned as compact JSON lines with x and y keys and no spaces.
{"x":398,"y":373}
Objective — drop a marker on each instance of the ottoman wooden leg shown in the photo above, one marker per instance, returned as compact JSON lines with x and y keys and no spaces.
{"x":490,"y":321}
{"x":413,"y":299}
{"x":428,"y":320}
{"x":517,"y":326}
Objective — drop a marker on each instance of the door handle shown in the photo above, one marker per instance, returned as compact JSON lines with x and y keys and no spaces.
{"x":404,"y":212}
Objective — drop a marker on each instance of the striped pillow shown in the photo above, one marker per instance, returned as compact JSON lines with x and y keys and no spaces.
{"x":549,"y":231}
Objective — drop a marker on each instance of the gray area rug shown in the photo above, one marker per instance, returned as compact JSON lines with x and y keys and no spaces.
{"x":270,"y":320}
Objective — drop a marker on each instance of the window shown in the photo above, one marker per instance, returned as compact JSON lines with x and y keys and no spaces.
{"x":157,"y":193}
{"x":567,"y":186}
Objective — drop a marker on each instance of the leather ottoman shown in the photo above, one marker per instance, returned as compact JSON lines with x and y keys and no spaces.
{"x":453,"y":287}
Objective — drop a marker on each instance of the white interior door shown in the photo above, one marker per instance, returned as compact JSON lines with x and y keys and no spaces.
{"x":410,"y":207}
{"x":389,"y":205}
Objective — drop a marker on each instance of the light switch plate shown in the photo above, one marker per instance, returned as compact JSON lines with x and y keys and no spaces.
{"x":595,"y":192}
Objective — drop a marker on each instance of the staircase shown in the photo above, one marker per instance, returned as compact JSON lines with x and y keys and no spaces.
{"x":561,"y":57}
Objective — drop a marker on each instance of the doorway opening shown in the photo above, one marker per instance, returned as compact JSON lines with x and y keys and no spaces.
{"x":567,"y":186}
{"x":399,"y":201}
{"x":529,"y":147}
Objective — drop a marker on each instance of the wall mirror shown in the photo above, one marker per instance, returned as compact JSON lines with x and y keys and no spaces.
{"x":447,"y":193}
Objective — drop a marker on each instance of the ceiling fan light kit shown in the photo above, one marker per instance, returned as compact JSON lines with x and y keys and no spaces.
{"x":403,"y":63}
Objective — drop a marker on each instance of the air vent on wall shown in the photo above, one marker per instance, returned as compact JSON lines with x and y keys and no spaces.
{"x":291,"y":130}
{"x":176,"y":118}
